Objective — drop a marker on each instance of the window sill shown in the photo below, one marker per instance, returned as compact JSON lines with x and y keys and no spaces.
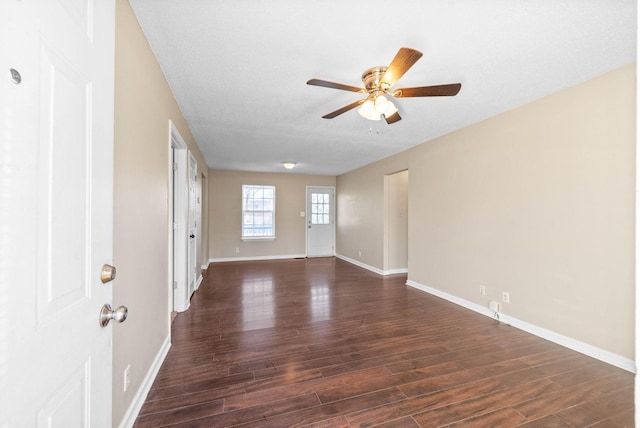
{"x":259,"y":238}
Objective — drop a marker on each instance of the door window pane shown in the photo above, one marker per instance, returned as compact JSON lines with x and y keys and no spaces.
{"x":320,"y":208}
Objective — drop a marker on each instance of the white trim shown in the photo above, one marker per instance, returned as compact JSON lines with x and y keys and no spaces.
{"x":371,"y":268}
{"x":273,"y":214}
{"x":388,"y":236}
{"x":198,"y":282}
{"x":576,"y":345}
{"x":252,"y":258}
{"x":258,"y":238}
{"x":141,"y":394}
{"x":360,"y":264}
{"x":637,"y":240}
{"x":178,"y":210}
{"x":395,"y":271}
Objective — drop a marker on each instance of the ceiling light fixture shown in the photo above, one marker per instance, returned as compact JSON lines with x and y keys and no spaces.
{"x":377,"y":87}
{"x":380,"y":104}
{"x":289,"y":165}
{"x":368,"y":110}
{"x":376,"y":105}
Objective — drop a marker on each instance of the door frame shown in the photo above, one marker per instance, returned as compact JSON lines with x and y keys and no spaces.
{"x":177,"y":225}
{"x":308,"y":216}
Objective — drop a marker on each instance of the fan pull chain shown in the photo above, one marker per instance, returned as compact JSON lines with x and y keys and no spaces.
{"x":371,"y":128}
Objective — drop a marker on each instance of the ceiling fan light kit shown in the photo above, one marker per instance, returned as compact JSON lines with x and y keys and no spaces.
{"x":377,"y":85}
{"x":368,"y":111}
{"x":373,"y":107}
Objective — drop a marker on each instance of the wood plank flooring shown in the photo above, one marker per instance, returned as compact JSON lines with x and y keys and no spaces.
{"x":323,"y":343}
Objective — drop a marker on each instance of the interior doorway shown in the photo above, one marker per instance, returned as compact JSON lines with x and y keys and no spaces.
{"x":396,"y":222}
{"x":204,"y":222}
{"x":178,"y":224}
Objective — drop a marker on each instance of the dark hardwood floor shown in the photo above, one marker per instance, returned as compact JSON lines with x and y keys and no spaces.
{"x":322,"y":343}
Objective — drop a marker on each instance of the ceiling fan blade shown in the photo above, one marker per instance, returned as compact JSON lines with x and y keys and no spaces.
{"x":333,"y":85}
{"x":393,"y":118}
{"x":428,"y":91}
{"x":402,"y":62}
{"x":342,"y":110}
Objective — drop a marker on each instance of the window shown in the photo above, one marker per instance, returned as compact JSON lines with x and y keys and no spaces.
{"x":258,"y":212}
{"x":320,"y":208}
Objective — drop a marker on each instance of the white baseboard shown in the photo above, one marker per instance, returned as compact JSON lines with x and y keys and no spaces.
{"x":252,"y":258}
{"x":360,"y":264}
{"x":371,"y":268}
{"x":198,"y":282}
{"x":576,"y":345}
{"x":141,"y":395}
{"x":396,"y":271}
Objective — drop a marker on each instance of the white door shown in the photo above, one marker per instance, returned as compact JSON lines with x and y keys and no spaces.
{"x":320,"y":221}
{"x":179,"y":234}
{"x":198,"y":230}
{"x":192,"y":253}
{"x":56,"y":215}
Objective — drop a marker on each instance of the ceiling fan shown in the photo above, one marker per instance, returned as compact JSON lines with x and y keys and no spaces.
{"x":377,"y":85}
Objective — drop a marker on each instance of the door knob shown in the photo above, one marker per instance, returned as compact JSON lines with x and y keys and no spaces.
{"x":106,"y":314}
{"x":192,"y":236}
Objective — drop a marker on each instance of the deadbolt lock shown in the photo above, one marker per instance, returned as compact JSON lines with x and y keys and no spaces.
{"x":108,"y":273}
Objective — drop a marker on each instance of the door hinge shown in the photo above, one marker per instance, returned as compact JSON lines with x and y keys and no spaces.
{"x":174,"y":166}
{"x":175,"y":225}
{"x":175,"y":284}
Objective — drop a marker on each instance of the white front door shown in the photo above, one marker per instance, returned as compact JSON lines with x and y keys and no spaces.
{"x":320,"y":221}
{"x":56,"y":215}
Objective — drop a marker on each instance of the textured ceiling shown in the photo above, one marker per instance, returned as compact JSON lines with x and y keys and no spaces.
{"x":238,"y":69}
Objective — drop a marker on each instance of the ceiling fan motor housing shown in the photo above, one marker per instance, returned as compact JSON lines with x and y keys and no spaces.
{"x":371,"y":79}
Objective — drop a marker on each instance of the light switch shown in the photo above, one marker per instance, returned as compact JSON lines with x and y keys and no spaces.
{"x":301,"y":213}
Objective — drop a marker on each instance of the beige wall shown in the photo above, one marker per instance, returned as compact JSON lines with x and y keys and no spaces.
{"x":360,"y":211}
{"x":538,"y":202}
{"x":143,"y":107}
{"x":225,"y":213}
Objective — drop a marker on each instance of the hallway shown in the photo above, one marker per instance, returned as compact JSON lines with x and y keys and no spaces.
{"x":323,"y":343}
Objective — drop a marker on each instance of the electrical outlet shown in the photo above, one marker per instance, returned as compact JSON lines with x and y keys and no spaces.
{"x":126,"y":378}
{"x":359,"y":253}
{"x":237,"y":250}
{"x":483,"y":290}
{"x":505,"y":297}
{"x":494,"y":306}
